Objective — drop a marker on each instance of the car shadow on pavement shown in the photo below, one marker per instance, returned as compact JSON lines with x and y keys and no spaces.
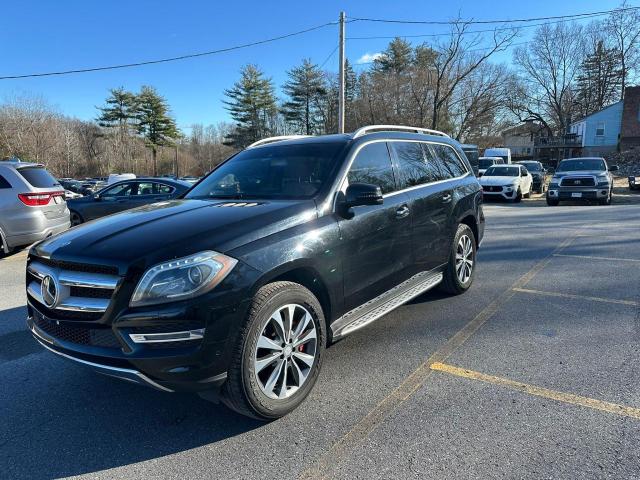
{"x":59,"y":419}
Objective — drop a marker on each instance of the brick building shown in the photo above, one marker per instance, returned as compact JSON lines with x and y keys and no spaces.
{"x":630,"y":131}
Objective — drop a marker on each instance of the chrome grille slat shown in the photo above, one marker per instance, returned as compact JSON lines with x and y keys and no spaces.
{"x":76,"y":279}
{"x":77,"y":304}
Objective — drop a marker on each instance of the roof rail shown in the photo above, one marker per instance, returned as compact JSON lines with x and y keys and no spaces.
{"x":264,"y":141}
{"x":400,"y":128}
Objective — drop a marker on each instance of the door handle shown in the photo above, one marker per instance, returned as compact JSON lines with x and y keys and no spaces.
{"x":446,"y":198}
{"x":402,"y":211}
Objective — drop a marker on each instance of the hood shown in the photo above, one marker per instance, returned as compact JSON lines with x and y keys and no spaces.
{"x":580,"y":173}
{"x":484,"y":180}
{"x":172,"y":229}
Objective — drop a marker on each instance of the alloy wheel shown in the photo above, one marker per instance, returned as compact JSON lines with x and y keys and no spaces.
{"x":286,"y":351}
{"x":464,"y":259}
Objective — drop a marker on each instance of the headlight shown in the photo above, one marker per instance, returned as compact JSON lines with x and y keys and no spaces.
{"x":509,"y":188}
{"x":182,"y":278}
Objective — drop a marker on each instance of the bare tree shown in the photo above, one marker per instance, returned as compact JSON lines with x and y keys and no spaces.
{"x":623,"y":25}
{"x":548,"y":67}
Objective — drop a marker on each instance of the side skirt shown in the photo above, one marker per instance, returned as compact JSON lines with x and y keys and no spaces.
{"x":384,"y":303}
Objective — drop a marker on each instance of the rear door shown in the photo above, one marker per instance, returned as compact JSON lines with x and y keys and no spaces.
{"x":111,"y":200}
{"x":429,"y":201}
{"x":377,"y":240}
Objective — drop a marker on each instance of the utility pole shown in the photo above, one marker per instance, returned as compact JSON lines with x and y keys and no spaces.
{"x":176,"y":161}
{"x":341,"y":94}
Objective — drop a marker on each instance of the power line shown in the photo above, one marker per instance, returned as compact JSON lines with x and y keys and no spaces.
{"x":444,"y":34}
{"x":329,"y":56}
{"x":171,"y":59}
{"x":475,"y":22}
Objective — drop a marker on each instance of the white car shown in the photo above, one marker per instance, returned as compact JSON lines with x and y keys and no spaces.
{"x":510,"y":182}
{"x":486,"y":162}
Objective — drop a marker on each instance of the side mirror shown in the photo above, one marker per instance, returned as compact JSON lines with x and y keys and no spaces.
{"x":613,"y":168}
{"x":96,"y":196}
{"x":363,"y":194}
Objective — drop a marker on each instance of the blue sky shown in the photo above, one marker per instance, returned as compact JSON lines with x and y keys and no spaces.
{"x":39,"y":36}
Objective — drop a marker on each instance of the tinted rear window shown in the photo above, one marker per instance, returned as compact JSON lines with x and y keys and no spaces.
{"x":413,"y":165}
{"x":38,"y":177}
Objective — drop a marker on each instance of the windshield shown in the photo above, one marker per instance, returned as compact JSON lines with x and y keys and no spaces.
{"x":273,"y":171}
{"x":532,"y":166}
{"x":581,"y":164}
{"x":485,"y":163}
{"x":502,"y":172}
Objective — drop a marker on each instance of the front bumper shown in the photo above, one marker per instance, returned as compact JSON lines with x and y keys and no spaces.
{"x":489,"y":193}
{"x":577,"y":193}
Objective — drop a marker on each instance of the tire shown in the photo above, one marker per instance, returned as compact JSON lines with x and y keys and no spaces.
{"x":76,"y":218}
{"x":248,"y":390}
{"x":552,"y":203}
{"x":518,"y":197}
{"x":452,"y":282}
{"x":607,"y":199}
{"x":528,"y":194}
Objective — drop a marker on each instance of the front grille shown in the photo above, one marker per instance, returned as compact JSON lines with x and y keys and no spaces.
{"x":578,"y":182}
{"x":492,"y":188}
{"x":96,"y":337}
{"x":72,"y":291}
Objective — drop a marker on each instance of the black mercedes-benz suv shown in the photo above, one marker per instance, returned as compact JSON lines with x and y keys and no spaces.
{"x":234,"y":290}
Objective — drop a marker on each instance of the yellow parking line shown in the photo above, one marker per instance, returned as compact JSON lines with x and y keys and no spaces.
{"x":540,"y":391}
{"x":324,"y":465}
{"x":578,"y":297}
{"x":591,"y":257}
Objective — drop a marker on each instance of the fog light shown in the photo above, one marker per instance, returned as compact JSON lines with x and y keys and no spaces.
{"x":604,"y":192}
{"x":167,"y":336}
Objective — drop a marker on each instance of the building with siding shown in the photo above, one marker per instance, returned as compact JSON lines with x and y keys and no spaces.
{"x":600,"y":131}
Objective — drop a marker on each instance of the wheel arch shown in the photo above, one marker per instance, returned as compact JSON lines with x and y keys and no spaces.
{"x":470,"y":220}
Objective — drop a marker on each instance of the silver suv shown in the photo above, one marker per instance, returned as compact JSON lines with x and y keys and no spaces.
{"x":32,"y":205}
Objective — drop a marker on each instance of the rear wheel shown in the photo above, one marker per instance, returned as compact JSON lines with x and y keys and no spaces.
{"x":278,"y":354}
{"x":76,"y":218}
{"x":458,"y":275}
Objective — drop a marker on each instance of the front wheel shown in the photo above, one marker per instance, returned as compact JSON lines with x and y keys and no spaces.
{"x":552,"y":202}
{"x":607,"y":199}
{"x":278,"y":353}
{"x":458,"y":275}
{"x":518,"y":197}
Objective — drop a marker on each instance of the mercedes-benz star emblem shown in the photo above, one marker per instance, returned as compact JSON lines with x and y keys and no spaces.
{"x":49,"y":291}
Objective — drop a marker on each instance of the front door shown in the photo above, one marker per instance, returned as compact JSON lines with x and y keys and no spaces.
{"x":377,"y":240}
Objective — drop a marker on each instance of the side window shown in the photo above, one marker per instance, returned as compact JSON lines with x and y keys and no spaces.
{"x":373,"y":165}
{"x":162,"y":189}
{"x":120,"y":190}
{"x":4,"y":183}
{"x":448,"y":156}
{"x":145,"y":188}
{"x":413,"y":165}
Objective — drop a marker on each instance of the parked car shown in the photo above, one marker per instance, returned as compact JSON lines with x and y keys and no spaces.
{"x":32,"y":205}
{"x":634,"y":182}
{"x":236,"y":288}
{"x":118,"y":177}
{"x":123,"y":196}
{"x":190,"y":180}
{"x":504,"y":153}
{"x":538,"y":173}
{"x":509,"y":182}
{"x":587,"y":178}
{"x":486,"y":162}
{"x":68,"y":195}
{"x":473,"y":154}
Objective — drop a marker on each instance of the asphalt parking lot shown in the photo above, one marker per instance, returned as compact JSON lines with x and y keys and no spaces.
{"x":531,"y":374}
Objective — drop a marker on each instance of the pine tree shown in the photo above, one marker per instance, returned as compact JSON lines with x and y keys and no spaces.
{"x":396,"y":58}
{"x":119,"y":109}
{"x":155,"y":124}
{"x":600,"y":79}
{"x":252,"y":105}
{"x":306,"y":90}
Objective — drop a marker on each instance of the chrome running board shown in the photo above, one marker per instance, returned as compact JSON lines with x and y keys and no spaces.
{"x":384,"y":303}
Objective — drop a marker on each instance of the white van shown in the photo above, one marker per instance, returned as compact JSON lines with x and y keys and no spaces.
{"x":504,"y":153}
{"x":116,"y":177}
